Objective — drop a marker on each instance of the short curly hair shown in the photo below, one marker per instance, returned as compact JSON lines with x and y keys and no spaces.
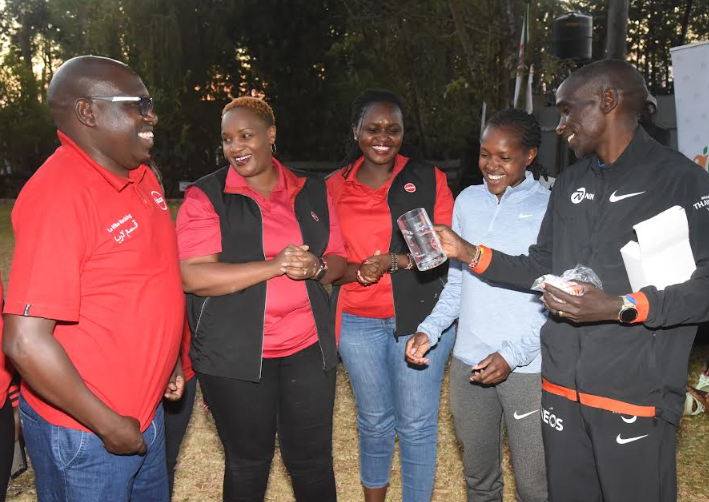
{"x":256,"y":105}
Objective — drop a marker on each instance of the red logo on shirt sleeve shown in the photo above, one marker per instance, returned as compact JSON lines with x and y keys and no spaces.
{"x":410,"y":187}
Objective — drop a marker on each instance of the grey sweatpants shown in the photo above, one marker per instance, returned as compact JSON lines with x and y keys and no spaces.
{"x":478,"y":412}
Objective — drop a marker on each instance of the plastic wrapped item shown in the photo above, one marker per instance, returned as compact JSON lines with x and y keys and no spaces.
{"x":567,"y":281}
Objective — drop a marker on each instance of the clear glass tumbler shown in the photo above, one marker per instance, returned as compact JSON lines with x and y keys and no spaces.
{"x":421,"y":239}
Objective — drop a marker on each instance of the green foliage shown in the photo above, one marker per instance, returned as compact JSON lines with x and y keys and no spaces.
{"x":26,"y":130}
{"x":287,"y":46}
{"x":309,"y":58}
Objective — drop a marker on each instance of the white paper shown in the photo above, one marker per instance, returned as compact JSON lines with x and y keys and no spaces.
{"x":633,"y":265}
{"x":662,"y":256}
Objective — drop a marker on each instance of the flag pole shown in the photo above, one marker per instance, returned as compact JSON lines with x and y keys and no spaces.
{"x":523,"y":40}
{"x":528,"y":103}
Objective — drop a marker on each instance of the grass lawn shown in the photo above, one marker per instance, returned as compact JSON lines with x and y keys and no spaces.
{"x":201,"y":467}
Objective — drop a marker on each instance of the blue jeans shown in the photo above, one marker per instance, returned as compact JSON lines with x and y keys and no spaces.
{"x":393,"y":398}
{"x":73,"y":466}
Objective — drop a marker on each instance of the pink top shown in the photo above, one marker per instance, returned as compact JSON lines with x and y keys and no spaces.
{"x":289,"y":325}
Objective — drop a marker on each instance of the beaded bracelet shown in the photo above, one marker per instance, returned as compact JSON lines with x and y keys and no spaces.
{"x":479,"y":251}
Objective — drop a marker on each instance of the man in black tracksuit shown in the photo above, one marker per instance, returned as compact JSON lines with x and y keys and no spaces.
{"x":614,"y":364}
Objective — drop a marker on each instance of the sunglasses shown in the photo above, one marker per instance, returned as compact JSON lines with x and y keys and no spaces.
{"x":145,"y":102}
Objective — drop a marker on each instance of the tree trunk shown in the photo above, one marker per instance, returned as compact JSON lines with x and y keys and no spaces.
{"x":509,"y":40}
{"x":25,"y":39}
{"x":617,"y":29}
{"x":685,"y":22}
{"x":463,"y":37}
{"x":411,"y":63}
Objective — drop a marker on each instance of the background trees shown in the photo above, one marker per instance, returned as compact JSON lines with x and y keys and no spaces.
{"x":309,"y":58}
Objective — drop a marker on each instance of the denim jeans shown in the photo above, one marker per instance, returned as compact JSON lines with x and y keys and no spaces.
{"x":393,"y":397}
{"x":73,"y":466}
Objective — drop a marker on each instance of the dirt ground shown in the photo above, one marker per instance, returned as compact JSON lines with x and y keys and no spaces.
{"x":201,"y":467}
{"x":199,"y":476}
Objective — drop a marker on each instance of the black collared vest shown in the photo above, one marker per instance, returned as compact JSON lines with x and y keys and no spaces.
{"x":227,"y":331}
{"x":415,"y":292}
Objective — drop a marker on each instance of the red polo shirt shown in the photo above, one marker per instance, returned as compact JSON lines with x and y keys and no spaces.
{"x":289,"y":325}
{"x":98,"y":253}
{"x":366,"y":226}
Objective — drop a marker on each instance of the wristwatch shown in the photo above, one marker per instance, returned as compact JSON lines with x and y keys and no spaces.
{"x":321,"y":271}
{"x":629,"y":311}
{"x":394,"y":263}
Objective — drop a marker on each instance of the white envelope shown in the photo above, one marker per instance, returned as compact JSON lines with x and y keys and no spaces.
{"x":662,"y":256}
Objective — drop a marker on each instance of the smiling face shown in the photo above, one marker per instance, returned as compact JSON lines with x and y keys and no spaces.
{"x":247,"y":140}
{"x":582,"y":123}
{"x":121,"y":137}
{"x":503,"y":158}
{"x":380,"y":133}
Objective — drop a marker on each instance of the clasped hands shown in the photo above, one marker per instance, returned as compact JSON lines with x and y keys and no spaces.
{"x":297,"y":262}
{"x":373,"y":268}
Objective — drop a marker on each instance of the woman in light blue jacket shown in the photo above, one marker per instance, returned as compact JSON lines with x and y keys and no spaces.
{"x":497,"y":348}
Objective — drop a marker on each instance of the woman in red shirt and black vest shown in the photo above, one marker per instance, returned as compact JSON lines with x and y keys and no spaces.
{"x":257,"y":241}
{"x":384,"y":298}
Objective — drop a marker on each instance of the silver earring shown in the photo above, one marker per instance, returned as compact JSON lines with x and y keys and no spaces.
{"x":273,"y":148}
{"x":356,"y":138}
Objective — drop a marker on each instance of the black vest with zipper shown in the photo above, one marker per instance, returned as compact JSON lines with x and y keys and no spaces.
{"x":227,"y":330}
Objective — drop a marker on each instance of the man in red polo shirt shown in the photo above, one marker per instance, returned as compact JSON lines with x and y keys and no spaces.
{"x":95,"y":308}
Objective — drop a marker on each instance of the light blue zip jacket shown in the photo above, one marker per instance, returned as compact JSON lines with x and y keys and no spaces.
{"x":493,"y":318}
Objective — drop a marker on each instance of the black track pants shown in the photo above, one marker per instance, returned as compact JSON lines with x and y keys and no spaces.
{"x":595,"y":455}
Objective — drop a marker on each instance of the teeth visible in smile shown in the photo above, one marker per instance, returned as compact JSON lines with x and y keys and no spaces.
{"x":243,"y":158}
{"x":571,"y":136}
{"x":381,"y":149}
{"x":146,"y":135}
{"x":495,"y":177}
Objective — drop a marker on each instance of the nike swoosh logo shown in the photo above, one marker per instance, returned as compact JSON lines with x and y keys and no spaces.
{"x":520,"y":417}
{"x":616,"y":198}
{"x":526,"y":215}
{"x":621,"y":440}
{"x":629,"y":420}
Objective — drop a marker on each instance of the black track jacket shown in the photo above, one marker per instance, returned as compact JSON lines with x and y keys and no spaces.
{"x":587,"y":221}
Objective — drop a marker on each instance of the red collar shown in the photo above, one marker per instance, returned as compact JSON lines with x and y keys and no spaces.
{"x":399,"y":163}
{"x":237,"y":184}
{"x":117,"y":182}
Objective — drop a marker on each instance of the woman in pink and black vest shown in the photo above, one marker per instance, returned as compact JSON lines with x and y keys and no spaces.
{"x":257,"y":242}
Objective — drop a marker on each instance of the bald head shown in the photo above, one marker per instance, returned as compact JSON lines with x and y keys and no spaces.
{"x":81,"y":77}
{"x":613,"y":74}
{"x":599,"y":107}
{"x":116,"y":133}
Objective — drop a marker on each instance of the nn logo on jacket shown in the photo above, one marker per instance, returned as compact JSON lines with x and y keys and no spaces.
{"x":580,"y":195}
